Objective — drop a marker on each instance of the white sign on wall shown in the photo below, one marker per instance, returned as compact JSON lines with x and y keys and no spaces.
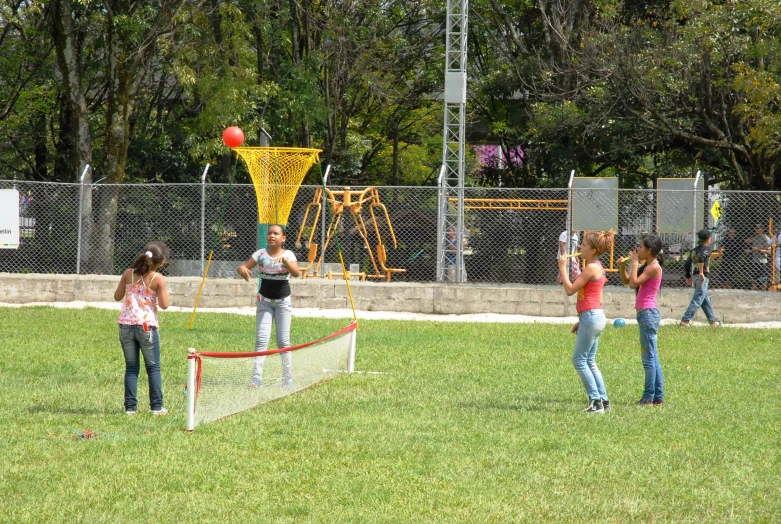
{"x":9,"y":219}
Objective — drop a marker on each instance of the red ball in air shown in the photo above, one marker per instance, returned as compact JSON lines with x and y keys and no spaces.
{"x":233,"y":136}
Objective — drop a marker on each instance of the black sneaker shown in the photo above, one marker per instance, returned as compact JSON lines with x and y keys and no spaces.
{"x":606,"y":405}
{"x":594,"y":406}
{"x":645,"y":402}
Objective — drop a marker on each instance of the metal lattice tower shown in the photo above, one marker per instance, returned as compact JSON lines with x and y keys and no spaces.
{"x":451,"y":179}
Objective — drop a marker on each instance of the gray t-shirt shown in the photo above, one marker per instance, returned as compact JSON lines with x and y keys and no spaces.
{"x":760,"y":241}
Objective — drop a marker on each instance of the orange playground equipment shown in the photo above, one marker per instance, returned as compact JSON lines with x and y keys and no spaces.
{"x":353,"y":201}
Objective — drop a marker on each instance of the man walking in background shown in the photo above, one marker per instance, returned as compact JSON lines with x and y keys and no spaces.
{"x":697,"y":269}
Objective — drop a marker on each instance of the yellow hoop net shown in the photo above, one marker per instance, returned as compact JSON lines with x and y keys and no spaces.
{"x":277,"y":173}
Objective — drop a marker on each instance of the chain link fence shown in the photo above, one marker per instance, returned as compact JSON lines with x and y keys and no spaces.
{"x":511,"y":235}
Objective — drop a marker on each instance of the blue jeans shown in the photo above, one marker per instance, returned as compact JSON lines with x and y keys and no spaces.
{"x":700,"y":299}
{"x":280,"y":311}
{"x":592,"y":322}
{"x":648,"y":320}
{"x":135,"y":340}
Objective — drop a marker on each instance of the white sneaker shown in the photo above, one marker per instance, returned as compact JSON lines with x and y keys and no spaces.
{"x":131,"y":411}
{"x":159,"y":412}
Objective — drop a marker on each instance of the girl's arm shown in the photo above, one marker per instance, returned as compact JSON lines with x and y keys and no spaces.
{"x":292,"y":266}
{"x":245,"y":270}
{"x":162,"y":292}
{"x":571,"y":288}
{"x":119,"y":293}
{"x":636,"y":281}
{"x":623,"y":271}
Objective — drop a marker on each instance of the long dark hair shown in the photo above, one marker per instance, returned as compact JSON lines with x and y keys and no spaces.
{"x":144,"y":263}
{"x":654,"y":243}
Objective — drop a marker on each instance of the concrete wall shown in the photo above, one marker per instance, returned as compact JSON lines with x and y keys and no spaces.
{"x":547,"y":301}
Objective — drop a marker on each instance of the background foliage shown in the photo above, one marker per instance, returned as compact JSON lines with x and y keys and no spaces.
{"x":641,"y":88}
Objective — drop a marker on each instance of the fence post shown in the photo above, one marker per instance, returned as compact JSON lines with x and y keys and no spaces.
{"x":569,"y":211}
{"x":203,"y":215}
{"x":323,"y":216}
{"x":694,"y":210}
{"x":81,"y":208}
{"x":441,"y":203}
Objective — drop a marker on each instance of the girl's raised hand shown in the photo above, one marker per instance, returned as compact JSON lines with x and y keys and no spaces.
{"x":633,"y":257}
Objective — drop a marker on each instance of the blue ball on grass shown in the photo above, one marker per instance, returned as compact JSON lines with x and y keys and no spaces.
{"x":619,"y":322}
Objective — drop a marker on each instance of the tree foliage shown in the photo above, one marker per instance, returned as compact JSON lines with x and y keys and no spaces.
{"x":141,"y":90}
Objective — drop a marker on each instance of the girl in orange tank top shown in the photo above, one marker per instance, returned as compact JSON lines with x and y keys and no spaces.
{"x":591,"y":318}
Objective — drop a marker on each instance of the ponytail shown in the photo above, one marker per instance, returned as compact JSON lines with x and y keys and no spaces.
{"x":154,"y":253}
{"x":600,"y":241}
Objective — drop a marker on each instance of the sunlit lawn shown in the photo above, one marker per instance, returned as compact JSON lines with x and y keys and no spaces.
{"x":471,"y":423}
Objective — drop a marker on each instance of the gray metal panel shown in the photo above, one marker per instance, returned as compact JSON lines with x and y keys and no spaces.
{"x":455,"y":87}
{"x":595,"y":204}
{"x":675,"y":203}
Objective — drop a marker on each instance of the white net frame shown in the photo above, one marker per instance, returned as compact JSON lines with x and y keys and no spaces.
{"x":219,"y":383}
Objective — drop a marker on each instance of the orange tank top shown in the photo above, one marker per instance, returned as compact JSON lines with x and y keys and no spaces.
{"x":590,"y":295}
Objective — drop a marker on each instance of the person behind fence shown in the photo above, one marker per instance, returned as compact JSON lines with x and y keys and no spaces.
{"x":276,"y":265}
{"x":731,"y":249}
{"x":574,"y":261}
{"x":697,"y":270}
{"x":142,"y":290}
{"x":647,"y":280}
{"x":591,"y":317}
{"x":450,"y":249}
{"x":759,"y":251}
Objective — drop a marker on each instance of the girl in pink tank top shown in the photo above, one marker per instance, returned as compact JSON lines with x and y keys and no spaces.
{"x":142,"y":290}
{"x":591,"y":319}
{"x":647,"y":279}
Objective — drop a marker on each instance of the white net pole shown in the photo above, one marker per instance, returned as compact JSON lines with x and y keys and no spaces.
{"x":351,"y":354}
{"x":191,"y":360}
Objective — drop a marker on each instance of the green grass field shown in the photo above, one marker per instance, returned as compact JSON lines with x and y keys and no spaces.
{"x":474,"y":423}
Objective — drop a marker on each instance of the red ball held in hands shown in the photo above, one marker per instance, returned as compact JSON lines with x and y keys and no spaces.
{"x":233,"y":136}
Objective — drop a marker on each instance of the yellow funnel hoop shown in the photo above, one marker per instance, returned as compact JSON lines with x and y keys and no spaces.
{"x":277,"y":173}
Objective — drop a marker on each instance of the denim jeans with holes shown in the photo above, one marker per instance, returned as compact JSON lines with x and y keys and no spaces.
{"x":592,"y":322}
{"x":135,"y":341}
{"x":648,"y":320}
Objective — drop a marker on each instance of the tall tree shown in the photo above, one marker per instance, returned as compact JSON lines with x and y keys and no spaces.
{"x":127,"y":34}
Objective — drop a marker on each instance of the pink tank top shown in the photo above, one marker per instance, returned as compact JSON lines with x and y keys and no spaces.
{"x":139,"y":305}
{"x":646,"y":295}
{"x":590,"y":295}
